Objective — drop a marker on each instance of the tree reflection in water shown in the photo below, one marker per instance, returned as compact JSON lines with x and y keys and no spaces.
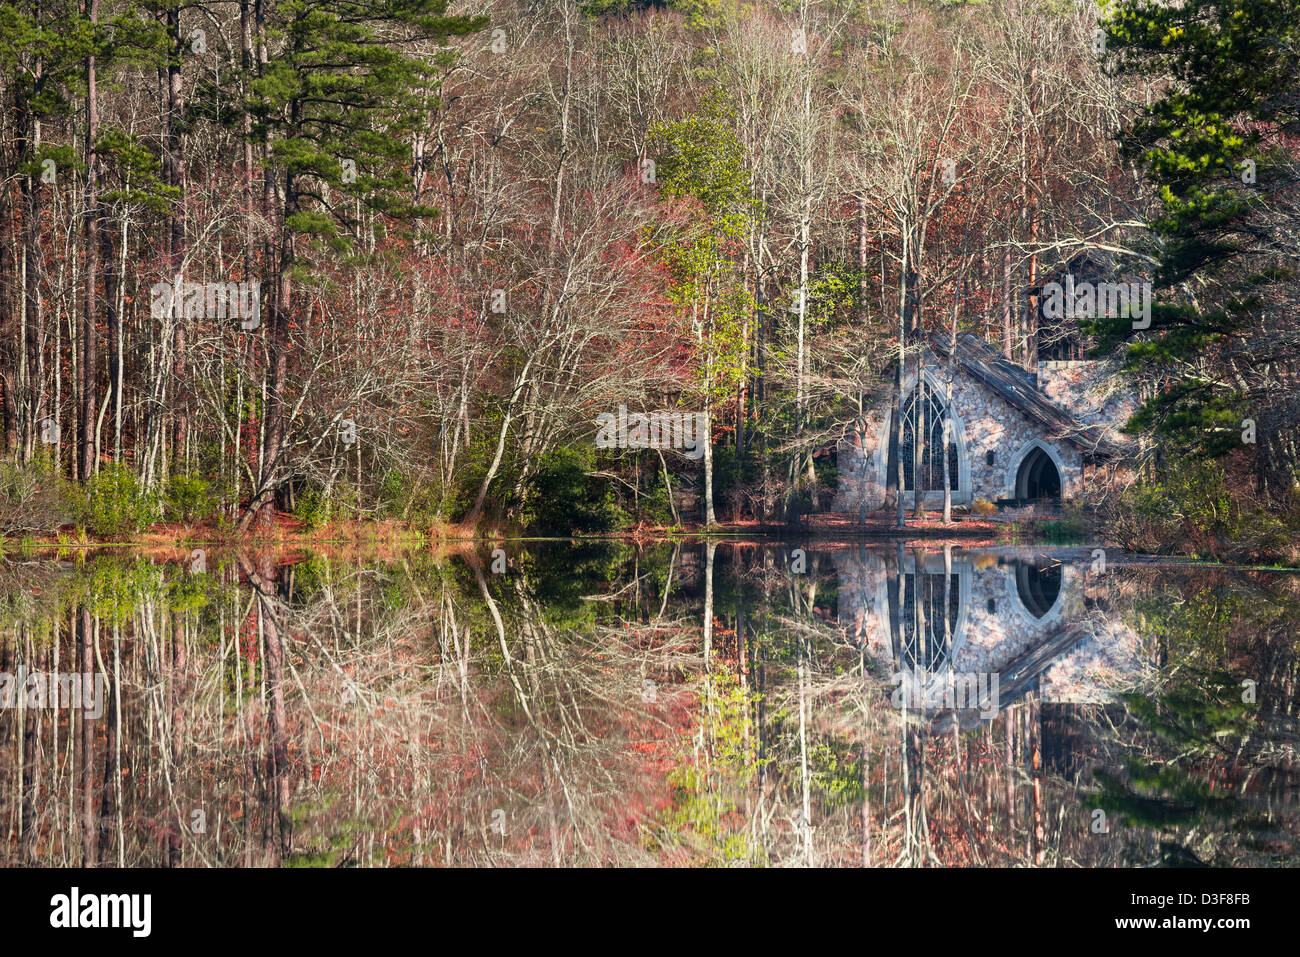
{"x":673,"y":704}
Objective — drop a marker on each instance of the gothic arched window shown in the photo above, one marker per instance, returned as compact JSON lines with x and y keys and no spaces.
{"x":924,"y":411}
{"x":923,"y":638}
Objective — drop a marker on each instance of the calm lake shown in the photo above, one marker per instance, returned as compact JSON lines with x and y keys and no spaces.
{"x":739,"y":703}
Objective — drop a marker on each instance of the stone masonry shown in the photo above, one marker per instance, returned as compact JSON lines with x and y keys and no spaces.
{"x":993,"y":436}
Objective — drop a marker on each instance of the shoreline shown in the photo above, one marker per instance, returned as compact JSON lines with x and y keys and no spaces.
{"x":290,"y":541}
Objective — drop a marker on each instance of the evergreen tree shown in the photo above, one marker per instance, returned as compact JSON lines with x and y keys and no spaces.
{"x":1219,"y":145}
{"x":333,"y":106}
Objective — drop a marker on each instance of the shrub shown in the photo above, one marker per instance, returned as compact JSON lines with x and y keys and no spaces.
{"x":1190,"y":509}
{"x":312,"y":508}
{"x":654,"y":504}
{"x":113,"y":504}
{"x":407,"y":498}
{"x":983,"y":508}
{"x":1074,"y":527}
{"x":1065,"y":531}
{"x":34,"y":497}
{"x":562,"y":498}
{"x":187,"y":499}
{"x":474,"y":468}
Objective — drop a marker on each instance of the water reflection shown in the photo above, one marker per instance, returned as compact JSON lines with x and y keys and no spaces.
{"x":1016,"y":622}
{"x":745,"y":703}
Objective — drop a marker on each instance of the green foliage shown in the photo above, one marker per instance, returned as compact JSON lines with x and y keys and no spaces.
{"x":187,"y":499}
{"x":559,"y":576}
{"x":34,"y":497}
{"x":407,"y":497}
{"x":312,"y":507}
{"x":1201,"y":719}
{"x":653,"y":504}
{"x":601,"y":8}
{"x":1194,"y":414}
{"x":474,"y":467}
{"x":310,"y":576}
{"x":702,"y":819}
{"x":1233,"y":59}
{"x":702,"y":157}
{"x":1229,"y":64}
{"x":1072,"y":528}
{"x":730,"y":475}
{"x":1063,"y":531}
{"x":1190,"y":508}
{"x":117,"y":587}
{"x":133,"y":173}
{"x":190,"y":592}
{"x":563,"y":498}
{"x":834,"y":294}
{"x":339,"y":97}
{"x":114,"y":505}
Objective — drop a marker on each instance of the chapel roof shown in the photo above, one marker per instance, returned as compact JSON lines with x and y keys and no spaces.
{"x":1018,"y":388}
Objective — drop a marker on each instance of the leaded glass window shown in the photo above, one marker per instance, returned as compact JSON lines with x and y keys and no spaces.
{"x":923,"y":639}
{"x":924,"y":411}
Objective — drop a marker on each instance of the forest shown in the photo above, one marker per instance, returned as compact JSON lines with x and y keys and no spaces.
{"x":392,"y":261}
{"x":590,"y":432}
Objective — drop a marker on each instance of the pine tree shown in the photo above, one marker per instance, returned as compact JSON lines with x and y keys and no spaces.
{"x":338,"y":92}
{"x":1219,"y":145}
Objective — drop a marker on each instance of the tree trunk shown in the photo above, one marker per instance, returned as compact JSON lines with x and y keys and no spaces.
{"x":89,"y":333}
{"x":89,"y":830}
{"x":175,"y":174}
{"x":1008,"y":343}
{"x":709,"y":517}
{"x":947,"y":407}
{"x":901,"y":517}
{"x":8,"y":331}
{"x":921,"y":394}
{"x":520,"y":384}
{"x":32,"y":311}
